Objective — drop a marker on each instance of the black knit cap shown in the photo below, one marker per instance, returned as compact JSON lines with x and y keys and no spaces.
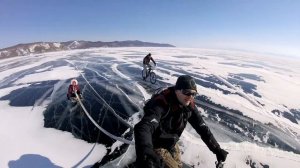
{"x":185,"y":82}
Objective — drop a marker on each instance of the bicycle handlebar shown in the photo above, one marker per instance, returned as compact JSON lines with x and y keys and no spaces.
{"x":219,"y":164}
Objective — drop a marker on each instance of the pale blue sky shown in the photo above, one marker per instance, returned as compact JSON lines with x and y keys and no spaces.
{"x":262,"y":25}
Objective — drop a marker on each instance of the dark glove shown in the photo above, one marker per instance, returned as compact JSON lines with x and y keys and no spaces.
{"x":151,"y":159}
{"x":221,"y":155}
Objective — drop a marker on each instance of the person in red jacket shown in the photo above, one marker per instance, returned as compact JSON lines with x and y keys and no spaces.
{"x":73,"y":88}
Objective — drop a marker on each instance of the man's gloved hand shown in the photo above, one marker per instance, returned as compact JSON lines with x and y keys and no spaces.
{"x":221,"y":155}
{"x":152,"y":160}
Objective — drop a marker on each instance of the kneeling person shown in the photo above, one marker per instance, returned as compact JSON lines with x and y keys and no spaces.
{"x":73,"y":88}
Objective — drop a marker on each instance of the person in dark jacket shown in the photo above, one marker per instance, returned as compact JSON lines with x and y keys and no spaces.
{"x":165,"y":117}
{"x":73,"y":88}
{"x":146,"y":63}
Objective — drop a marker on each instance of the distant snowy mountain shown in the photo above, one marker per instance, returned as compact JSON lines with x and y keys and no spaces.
{"x":42,"y":47}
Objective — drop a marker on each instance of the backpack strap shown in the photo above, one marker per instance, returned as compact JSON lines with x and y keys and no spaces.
{"x":162,"y":97}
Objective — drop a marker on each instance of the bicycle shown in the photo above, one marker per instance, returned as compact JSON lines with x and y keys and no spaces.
{"x":150,"y":72}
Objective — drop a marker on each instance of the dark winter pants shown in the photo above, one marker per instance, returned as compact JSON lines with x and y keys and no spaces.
{"x":73,"y":95}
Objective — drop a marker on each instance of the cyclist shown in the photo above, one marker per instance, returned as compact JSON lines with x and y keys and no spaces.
{"x":146,"y":64}
{"x":165,"y":117}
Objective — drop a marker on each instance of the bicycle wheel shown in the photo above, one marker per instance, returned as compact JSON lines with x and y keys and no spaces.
{"x":144,"y":74}
{"x":152,"y":77}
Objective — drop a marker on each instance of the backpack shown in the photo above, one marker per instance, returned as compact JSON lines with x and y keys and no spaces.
{"x":159,"y":94}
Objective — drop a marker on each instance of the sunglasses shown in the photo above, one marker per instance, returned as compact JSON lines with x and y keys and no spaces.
{"x":188,"y":93}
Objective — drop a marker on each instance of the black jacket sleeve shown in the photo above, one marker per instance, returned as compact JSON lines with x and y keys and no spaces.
{"x":202,"y":129}
{"x":145,"y":128}
{"x":153,"y":60}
